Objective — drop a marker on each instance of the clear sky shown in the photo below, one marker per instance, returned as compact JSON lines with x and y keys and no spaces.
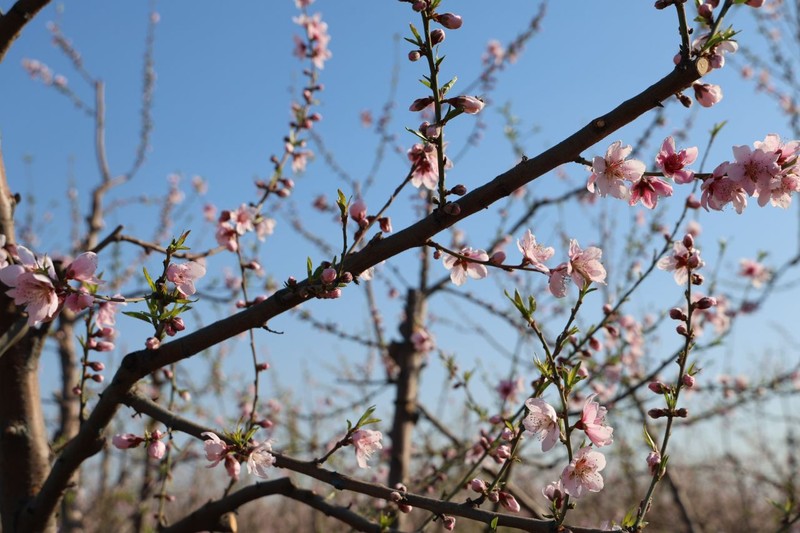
{"x":226,"y":76}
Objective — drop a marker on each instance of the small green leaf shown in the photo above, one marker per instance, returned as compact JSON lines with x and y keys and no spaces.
{"x":449,"y":85}
{"x":493,"y":523}
{"x":150,"y":282}
{"x":416,"y":33}
{"x":418,"y":134}
{"x":309,"y":267}
{"x":426,"y":83}
{"x":138,"y":314}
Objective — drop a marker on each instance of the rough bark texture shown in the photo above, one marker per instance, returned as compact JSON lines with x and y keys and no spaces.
{"x":12,"y":22}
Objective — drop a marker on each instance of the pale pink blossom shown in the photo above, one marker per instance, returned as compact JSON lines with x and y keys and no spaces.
{"x":33,"y":290}
{"x":673,"y":163}
{"x":365,"y":442}
{"x":448,"y":522}
{"x":533,"y":253}
{"x":83,"y":267}
{"x":233,"y":467}
{"x":260,"y":459}
{"x":508,"y":388}
{"x":358,"y":212}
{"x":610,"y":172}
{"x":216,"y":449}
{"x":123,"y":441}
{"x":79,"y":300}
{"x":226,"y":236}
{"x":680,"y":262}
{"x":460,"y":268}
{"x":494,"y":53}
{"x":156,"y":449}
{"x":707,"y":94}
{"x":508,"y":501}
{"x":425,"y":165}
{"x":541,"y":420}
{"x":422,"y":341}
{"x":720,"y":190}
{"x":757,"y":272}
{"x":265,"y":226}
{"x":471,"y":105}
{"x":557,"y":281}
{"x":755,"y":171}
{"x":582,"y":474}
{"x":184,"y":275}
{"x":317,"y":34}
{"x":584,"y":265}
{"x":592,"y":422}
{"x":553,"y":491}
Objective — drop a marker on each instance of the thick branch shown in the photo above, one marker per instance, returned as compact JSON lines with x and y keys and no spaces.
{"x":136,"y":365}
{"x":208,"y":516}
{"x":11,"y":23}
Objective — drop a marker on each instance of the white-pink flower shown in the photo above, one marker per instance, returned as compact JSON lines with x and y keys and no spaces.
{"x":216,"y":449}
{"x":534,"y":253}
{"x":366,"y":441}
{"x":680,"y":262}
{"x":755,"y":171}
{"x":83,"y":267}
{"x":609,"y":173}
{"x":184,"y":276}
{"x":757,"y":272}
{"x":648,"y":189}
{"x":707,"y":94}
{"x":425,"y":165}
{"x":542,"y":421}
{"x":582,"y":474}
{"x":673,"y":163}
{"x":460,"y":268}
{"x":260,"y":459}
{"x":584,"y":265}
{"x":593,"y":423}
{"x":33,"y":290}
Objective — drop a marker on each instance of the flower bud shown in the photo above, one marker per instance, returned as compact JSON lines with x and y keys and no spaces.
{"x":262,"y":367}
{"x":693,"y":261}
{"x":178,"y":324}
{"x":656,"y":413}
{"x":395,"y":496}
{"x":96,"y":366}
{"x":450,"y":21}
{"x":688,"y":241}
{"x":653,"y":462}
{"x":420,"y":103}
{"x":459,"y":190}
{"x":493,"y":496}
{"x":692,"y":202}
{"x":452,"y":209}
{"x":404,"y":508}
{"x":676,"y":313}
{"x":329,"y":275}
{"x":688,"y":381}
{"x":705,"y":302}
{"x":414,"y":55}
{"x":437,"y":36}
{"x":98,"y":378}
{"x":697,"y":279}
{"x":346,"y":277}
{"x":657,"y":387}
{"x":419,"y":6}
{"x":478,"y":485}
{"x":681,"y":329}
{"x":468,"y":104}
{"x":594,"y":344}
{"x":681,"y":413}
{"x":497,"y":258}
{"x":385,"y":224}
{"x":509,"y":502}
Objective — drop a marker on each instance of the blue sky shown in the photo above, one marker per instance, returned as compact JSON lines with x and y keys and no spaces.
{"x":225,"y":81}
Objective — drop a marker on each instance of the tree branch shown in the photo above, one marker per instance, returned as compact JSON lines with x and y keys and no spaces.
{"x":138,"y":364}
{"x":11,"y":23}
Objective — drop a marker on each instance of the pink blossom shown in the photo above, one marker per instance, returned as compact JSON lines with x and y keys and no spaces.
{"x":592,"y":422}
{"x":425,"y":165}
{"x":216,"y":449}
{"x":233,"y":467}
{"x":707,"y":94}
{"x":553,"y":491}
{"x":79,"y":300}
{"x":610,"y":172}
{"x":83,"y":267}
{"x":653,"y":462}
{"x":478,"y":485}
{"x":260,"y":459}
{"x":508,"y":388}
{"x":542,"y":420}
{"x":226,"y":236}
{"x":582,"y":474}
{"x":265,"y":226}
{"x":719,"y":190}
{"x":422,"y":341}
{"x":557,"y":281}
{"x":328,"y":275}
{"x":365,"y":442}
{"x":584,"y":265}
{"x":184,"y":275}
{"x":648,"y":189}
{"x":757,"y":272}
{"x":317,"y":34}
{"x":755,"y":171}
{"x":673,"y":164}
{"x":533,"y":253}
{"x":460,"y":268}
{"x":124,"y":441}
{"x":34,"y":291}
{"x":494,"y":53}
{"x":680,"y":262}
{"x":152,"y":343}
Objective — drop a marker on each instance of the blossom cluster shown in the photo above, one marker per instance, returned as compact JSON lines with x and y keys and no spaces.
{"x":582,"y":474}
{"x":258,"y":456}
{"x":233,"y":224}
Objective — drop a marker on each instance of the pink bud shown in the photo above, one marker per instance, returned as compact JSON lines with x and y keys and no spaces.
{"x":448,"y":522}
{"x":178,"y":324}
{"x":437,"y":36}
{"x":414,"y":55}
{"x":509,"y":502}
{"x":676,"y":313}
{"x":478,"y":485}
{"x":97,"y":378}
{"x":705,"y":302}
{"x":681,"y":329}
{"x":653,"y":462}
{"x":497,"y":258}
{"x":688,"y":241}
{"x":692,"y":202}
{"x":152,"y":343}
{"x":419,"y":5}
{"x":385,"y":224}
{"x":157,"y":449}
{"x":459,"y":190}
{"x":452,"y":209}
{"x":262,"y":367}
{"x":657,"y":387}
{"x":420,"y":103}
{"x":688,"y":381}
{"x":404,"y":508}
{"x":681,"y":412}
{"x":83,"y":267}
{"x":358,"y":211}
{"x":329,"y":275}
{"x":450,"y":21}
{"x":656,"y":413}
{"x":96,"y":366}
{"x":468,"y":104}
{"x":126,"y":440}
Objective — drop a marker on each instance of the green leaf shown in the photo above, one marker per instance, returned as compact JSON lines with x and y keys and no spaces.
{"x":150,"y":282}
{"x":449,"y":85}
{"x":138,"y":314}
{"x":418,"y":134}
{"x":649,"y":440}
{"x":416,"y":34}
{"x":493,"y":523}
{"x":426,"y":83}
{"x":309,"y":267}
{"x":366,"y":417}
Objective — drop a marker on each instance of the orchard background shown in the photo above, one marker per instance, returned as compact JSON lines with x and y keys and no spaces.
{"x":126,"y":126}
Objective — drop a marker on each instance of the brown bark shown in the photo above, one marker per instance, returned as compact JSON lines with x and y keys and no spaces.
{"x":12,"y":22}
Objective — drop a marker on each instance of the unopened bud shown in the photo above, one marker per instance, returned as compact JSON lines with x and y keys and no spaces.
{"x":657,"y":387}
{"x":705,"y":302}
{"x":329,"y":275}
{"x":676,"y":313}
{"x":346,"y":277}
{"x":414,"y":55}
{"x":688,"y":241}
{"x":497,"y":258}
{"x":656,"y":413}
{"x":437,"y":36}
{"x":693,"y":261}
{"x":692,"y":202}
{"x":262,"y":367}
{"x":419,"y":5}
{"x":404,"y":508}
{"x":97,"y":378}
{"x":450,"y":21}
{"x":420,"y":103}
{"x":697,"y":279}
{"x":681,"y":329}
{"x":681,"y":413}
{"x":459,"y":190}
{"x":686,"y":101}
{"x":96,"y":366}
{"x":385,"y":224}
{"x":452,"y":209}
{"x":478,"y":485}
{"x":688,"y":381}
